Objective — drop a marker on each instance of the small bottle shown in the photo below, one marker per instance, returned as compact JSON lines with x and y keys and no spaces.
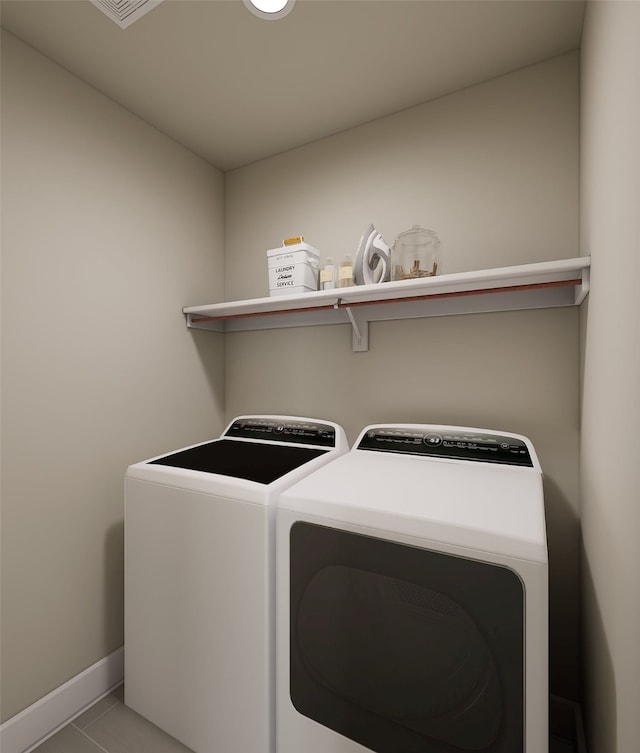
{"x":345,"y":272}
{"x":328,"y":275}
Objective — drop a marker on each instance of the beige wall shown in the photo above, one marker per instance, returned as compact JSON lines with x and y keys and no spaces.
{"x":108,"y":229}
{"x":494,"y":169}
{"x":610,"y":476}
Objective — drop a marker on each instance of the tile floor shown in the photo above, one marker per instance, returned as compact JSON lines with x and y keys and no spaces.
{"x":111,"y":727}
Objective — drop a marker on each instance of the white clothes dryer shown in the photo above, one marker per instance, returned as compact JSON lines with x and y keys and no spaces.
{"x":412,"y":590}
{"x":199,"y":579}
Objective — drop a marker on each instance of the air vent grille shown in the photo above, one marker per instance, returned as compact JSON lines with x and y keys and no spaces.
{"x":125,"y":12}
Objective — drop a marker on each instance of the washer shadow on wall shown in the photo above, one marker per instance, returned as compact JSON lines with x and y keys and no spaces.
{"x":113,"y":629}
{"x":563,"y":543}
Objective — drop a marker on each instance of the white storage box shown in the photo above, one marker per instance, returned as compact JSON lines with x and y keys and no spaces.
{"x":293,"y":269}
{"x":285,"y":276}
{"x":296,"y":290}
{"x":293,"y":254}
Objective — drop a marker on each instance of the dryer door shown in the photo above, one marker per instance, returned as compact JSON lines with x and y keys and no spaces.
{"x":403,"y":649}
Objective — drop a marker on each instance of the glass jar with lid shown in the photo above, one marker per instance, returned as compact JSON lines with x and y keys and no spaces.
{"x":416,"y":252}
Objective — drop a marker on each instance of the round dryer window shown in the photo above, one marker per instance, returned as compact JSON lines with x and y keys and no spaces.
{"x":403,"y":649}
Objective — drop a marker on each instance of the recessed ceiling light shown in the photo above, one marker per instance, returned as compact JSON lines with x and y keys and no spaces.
{"x":270,"y":9}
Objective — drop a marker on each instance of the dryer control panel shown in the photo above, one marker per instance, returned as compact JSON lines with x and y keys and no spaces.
{"x":283,"y":430}
{"x":455,"y":444}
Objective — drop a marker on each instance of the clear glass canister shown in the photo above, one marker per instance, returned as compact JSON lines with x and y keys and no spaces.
{"x":416,"y":253}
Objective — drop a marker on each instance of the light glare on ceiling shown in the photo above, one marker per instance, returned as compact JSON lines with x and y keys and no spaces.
{"x":270,"y":9}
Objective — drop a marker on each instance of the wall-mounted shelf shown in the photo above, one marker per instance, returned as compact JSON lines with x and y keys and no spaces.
{"x":528,"y":286}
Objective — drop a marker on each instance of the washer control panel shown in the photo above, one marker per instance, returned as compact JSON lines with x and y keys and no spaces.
{"x":283,"y":430}
{"x":456,"y":444}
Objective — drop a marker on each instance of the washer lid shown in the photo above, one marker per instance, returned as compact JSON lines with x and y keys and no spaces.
{"x":253,"y":461}
{"x":255,"y":458}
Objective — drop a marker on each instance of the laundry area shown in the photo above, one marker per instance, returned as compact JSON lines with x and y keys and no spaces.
{"x":326,"y":325}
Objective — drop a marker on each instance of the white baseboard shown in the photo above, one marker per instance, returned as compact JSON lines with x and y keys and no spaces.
{"x":45,"y":717}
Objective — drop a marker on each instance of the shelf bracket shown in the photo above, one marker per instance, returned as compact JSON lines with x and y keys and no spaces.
{"x":360,"y":331}
{"x":582,"y":290}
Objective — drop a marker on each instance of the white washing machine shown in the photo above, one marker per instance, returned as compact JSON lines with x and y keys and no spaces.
{"x":412,"y":597}
{"x":199,"y":579}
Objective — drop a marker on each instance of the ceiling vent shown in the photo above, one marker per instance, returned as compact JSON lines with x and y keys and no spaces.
{"x":125,"y":12}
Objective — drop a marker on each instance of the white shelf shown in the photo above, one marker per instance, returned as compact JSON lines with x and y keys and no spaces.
{"x":527,"y":286}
